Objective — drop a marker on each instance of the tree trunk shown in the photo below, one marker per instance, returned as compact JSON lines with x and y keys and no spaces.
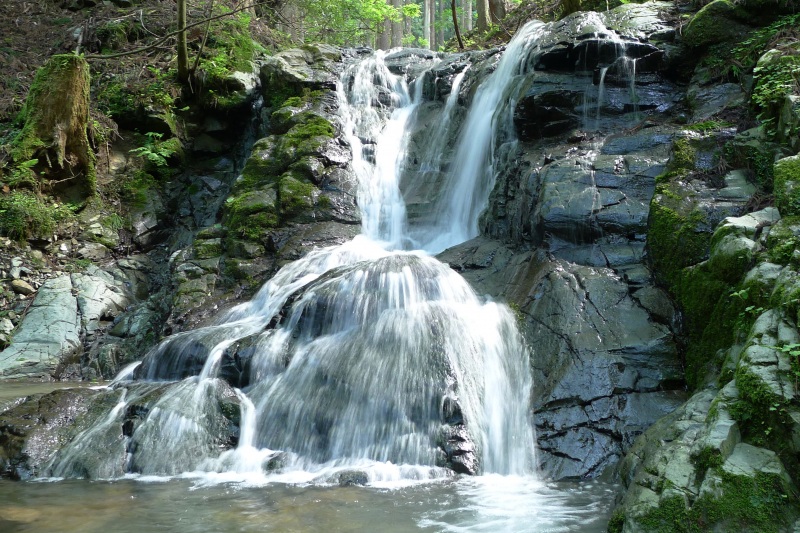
{"x":455,"y":24}
{"x":431,"y":35}
{"x":467,"y":6}
{"x":427,"y":16}
{"x":183,"y":53}
{"x":397,"y":26}
{"x":56,"y":115}
{"x":497,"y":10}
{"x":482,"y":6}
{"x":385,"y":36}
{"x":440,"y":30}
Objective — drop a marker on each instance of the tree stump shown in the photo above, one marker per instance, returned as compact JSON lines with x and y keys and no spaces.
{"x":56,"y":114}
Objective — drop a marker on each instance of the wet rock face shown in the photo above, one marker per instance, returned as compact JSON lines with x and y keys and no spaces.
{"x":575,"y":185}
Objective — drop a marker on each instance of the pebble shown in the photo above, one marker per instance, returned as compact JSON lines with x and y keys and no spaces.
{"x":22,"y":288}
{"x":6,"y":326}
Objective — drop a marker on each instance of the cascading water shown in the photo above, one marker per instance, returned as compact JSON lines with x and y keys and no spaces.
{"x":363,"y":356}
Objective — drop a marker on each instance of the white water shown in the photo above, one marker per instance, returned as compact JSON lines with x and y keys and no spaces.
{"x":471,"y":177}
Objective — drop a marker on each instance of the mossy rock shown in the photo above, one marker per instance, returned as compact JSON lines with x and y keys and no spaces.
{"x":296,"y":197}
{"x":783,"y":241}
{"x":682,"y":157}
{"x":752,"y":150}
{"x":787,"y":185}
{"x":677,"y":235}
{"x":719,"y":21}
{"x":251,"y":214}
{"x":208,"y":248}
{"x":750,"y":492}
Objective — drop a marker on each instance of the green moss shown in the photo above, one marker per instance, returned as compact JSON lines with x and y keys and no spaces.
{"x":783,"y":240}
{"x":24,"y":214}
{"x":753,"y":152}
{"x":683,"y":156}
{"x":272,"y":156}
{"x":756,"y":504}
{"x":250,"y":215}
{"x":56,"y":121}
{"x":708,"y":457}
{"x":709,"y":318}
{"x":717,"y":22}
{"x":208,"y":248}
{"x":675,"y":240}
{"x":787,"y":185}
{"x":617,"y":521}
{"x":671,"y":516}
{"x":295,"y":196}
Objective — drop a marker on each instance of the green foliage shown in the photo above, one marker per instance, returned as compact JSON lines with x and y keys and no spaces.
{"x":350,"y":22}
{"x":757,"y":42}
{"x":155,"y":151}
{"x":775,"y":79}
{"x":25,"y":214}
{"x":617,"y":521}
{"x":671,"y":516}
{"x":119,"y":97}
{"x":708,"y":126}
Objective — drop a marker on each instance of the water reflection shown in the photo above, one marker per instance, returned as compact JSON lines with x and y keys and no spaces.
{"x":487,"y":503}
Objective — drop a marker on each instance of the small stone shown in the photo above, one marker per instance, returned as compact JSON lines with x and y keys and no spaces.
{"x":21,"y":287}
{"x":15,"y":272}
{"x":16,"y":262}
{"x":37,"y":255}
{"x":6,"y":326}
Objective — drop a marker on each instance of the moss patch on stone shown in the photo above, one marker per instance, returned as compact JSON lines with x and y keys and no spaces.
{"x":715,"y":23}
{"x":675,"y":239}
{"x":787,"y":185}
{"x":756,"y":504}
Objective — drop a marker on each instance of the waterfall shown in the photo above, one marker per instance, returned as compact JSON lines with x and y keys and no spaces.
{"x":471,"y":178}
{"x":371,"y":355}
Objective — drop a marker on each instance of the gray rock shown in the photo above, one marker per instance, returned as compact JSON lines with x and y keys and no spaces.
{"x":48,"y":336}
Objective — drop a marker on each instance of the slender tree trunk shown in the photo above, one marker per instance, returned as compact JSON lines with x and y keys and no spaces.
{"x":431,"y":36}
{"x":440,"y":31}
{"x":427,"y":16}
{"x":183,"y":52}
{"x":385,"y":36}
{"x":482,"y":7}
{"x":467,"y":7}
{"x":455,"y":24}
{"x":497,"y":10}
{"x":397,"y":27}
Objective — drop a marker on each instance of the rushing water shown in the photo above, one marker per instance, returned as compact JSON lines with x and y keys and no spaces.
{"x":370,"y":362}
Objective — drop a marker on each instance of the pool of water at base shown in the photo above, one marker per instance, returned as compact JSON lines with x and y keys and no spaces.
{"x":480,"y":504}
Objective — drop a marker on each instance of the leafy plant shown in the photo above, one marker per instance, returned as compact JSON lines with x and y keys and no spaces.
{"x":155,"y":151}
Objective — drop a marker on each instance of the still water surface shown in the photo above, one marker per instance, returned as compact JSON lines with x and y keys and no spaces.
{"x":483,"y":504}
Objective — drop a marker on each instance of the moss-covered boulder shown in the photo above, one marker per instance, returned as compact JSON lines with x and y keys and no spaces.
{"x":787,"y":185}
{"x":288,"y":73}
{"x":720,"y":21}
